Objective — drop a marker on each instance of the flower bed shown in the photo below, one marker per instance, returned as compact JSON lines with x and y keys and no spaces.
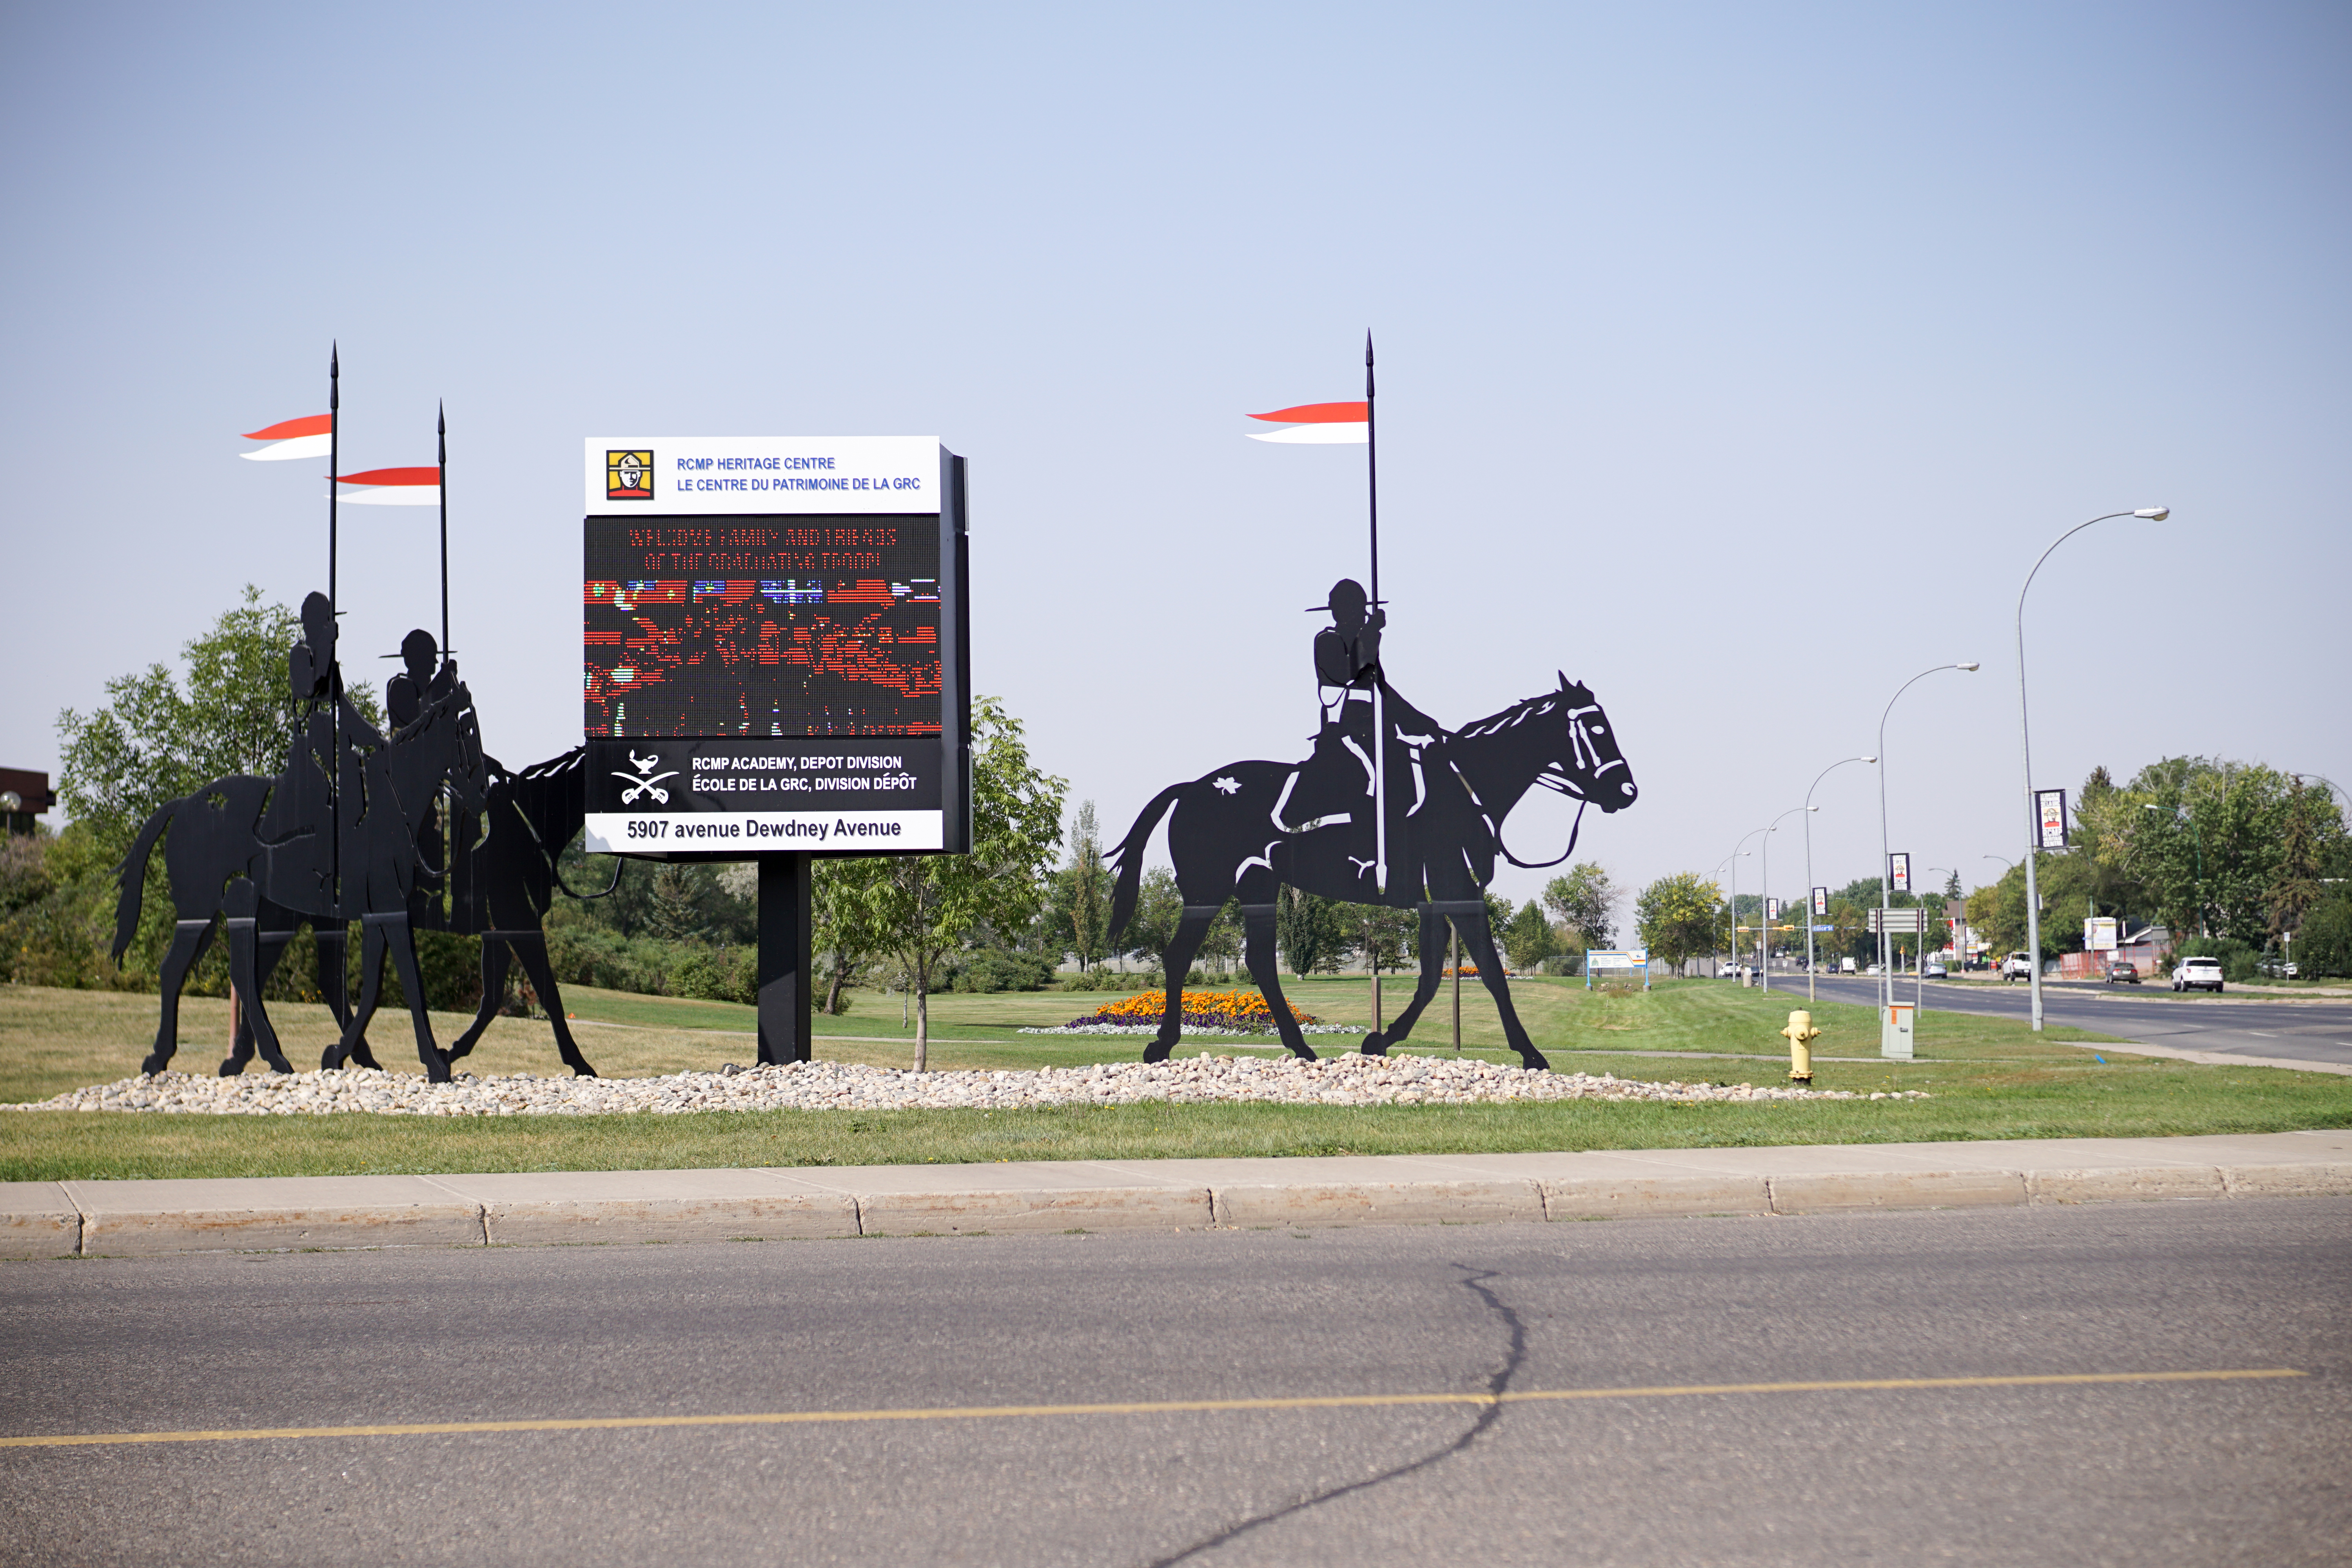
{"x":1204,"y":1012}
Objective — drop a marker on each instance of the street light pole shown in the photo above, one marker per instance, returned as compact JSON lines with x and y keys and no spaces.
{"x":1885,"y":850}
{"x":1764,"y":899}
{"x":2025,"y":747}
{"x":1731,"y":860}
{"x":1811,"y":966}
{"x":1739,"y":852}
{"x":1920,"y":967}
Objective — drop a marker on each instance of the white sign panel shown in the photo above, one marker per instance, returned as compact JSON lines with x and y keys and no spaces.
{"x":751,"y":832}
{"x":2050,"y":818}
{"x":2099,"y":935}
{"x":692,"y":476}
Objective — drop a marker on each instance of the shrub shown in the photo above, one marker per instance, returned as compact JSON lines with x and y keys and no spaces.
{"x":995,"y":969}
{"x":2323,"y":946}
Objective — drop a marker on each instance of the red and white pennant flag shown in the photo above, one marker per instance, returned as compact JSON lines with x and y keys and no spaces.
{"x":392,"y":486}
{"x":310,"y":436}
{"x":1318,"y":425}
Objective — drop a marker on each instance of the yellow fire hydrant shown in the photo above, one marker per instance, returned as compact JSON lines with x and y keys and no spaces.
{"x":1802,"y":1035}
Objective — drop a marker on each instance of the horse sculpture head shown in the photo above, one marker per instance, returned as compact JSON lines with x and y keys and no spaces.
{"x":1594,"y":771}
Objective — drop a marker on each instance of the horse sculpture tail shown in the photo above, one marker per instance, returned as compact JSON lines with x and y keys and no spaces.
{"x":1130,"y":857}
{"x":132,"y":874}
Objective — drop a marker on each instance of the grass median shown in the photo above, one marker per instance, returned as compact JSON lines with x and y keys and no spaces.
{"x":1988,"y":1077}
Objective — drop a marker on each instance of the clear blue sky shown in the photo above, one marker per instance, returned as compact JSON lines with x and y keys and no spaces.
{"x":1737,"y":361}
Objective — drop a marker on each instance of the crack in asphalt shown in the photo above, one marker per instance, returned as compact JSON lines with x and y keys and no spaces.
{"x":1497,"y":1383}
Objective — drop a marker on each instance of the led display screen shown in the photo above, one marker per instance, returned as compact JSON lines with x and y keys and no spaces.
{"x":762,"y":626}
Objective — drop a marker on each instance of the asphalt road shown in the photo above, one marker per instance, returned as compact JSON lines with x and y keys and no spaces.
{"x":2069,"y":1469}
{"x":2319,"y":1031}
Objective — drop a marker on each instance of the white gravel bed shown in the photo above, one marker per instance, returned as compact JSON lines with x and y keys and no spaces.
{"x":1352,"y":1079}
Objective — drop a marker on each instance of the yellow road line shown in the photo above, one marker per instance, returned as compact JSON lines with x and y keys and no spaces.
{"x":1148,"y":1408}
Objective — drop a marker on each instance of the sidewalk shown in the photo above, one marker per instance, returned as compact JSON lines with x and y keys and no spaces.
{"x":52,"y":1219}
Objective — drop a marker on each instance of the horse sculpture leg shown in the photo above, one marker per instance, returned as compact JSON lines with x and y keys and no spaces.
{"x":494,"y":990}
{"x":371,"y":989}
{"x":403,"y":942}
{"x":1177,"y":961}
{"x":1480,"y":942}
{"x":332,"y":940}
{"x":1424,"y":989}
{"x":244,"y":976}
{"x":190,"y":939}
{"x":532,"y":948}
{"x":1266,"y":968}
{"x":272,"y":930}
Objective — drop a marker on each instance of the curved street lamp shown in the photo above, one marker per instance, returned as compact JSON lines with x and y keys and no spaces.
{"x":1764,"y":899}
{"x":1812,"y":968}
{"x":2025,"y":745}
{"x":1885,"y":976}
{"x":1738,"y":852}
{"x":1731,"y":861}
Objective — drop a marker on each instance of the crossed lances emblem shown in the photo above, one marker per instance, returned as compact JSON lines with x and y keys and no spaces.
{"x":645,"y":781}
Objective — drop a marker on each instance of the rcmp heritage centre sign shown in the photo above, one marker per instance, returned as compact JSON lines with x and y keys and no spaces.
{"x":775,"y":646}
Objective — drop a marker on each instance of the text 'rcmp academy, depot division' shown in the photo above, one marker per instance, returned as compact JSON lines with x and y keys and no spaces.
{"x":776,"y":645}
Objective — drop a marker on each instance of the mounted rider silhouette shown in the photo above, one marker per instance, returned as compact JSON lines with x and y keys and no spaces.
{"x":406,"y":696}
{"x":1345,"y":777}
{"x":317,"y":786}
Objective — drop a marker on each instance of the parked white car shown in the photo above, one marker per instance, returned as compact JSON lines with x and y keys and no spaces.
{"x":2198,"y":974}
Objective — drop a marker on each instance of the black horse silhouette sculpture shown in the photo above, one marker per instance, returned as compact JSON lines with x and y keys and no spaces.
{"x":219,"y":860}
{"x":384,"y":867}
{"x":1229,"y":839}
{"x":510,"y":881}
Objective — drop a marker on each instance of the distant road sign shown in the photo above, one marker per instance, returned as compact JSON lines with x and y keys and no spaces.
{"x":1898,"y":922}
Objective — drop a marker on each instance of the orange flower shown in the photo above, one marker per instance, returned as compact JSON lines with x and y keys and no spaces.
{"x":1206,"y":1009}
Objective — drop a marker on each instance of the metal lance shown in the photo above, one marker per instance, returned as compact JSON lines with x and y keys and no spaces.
{"x":1380,"y":680}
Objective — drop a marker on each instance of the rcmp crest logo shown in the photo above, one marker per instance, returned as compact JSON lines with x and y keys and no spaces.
{"x":629,"y":476}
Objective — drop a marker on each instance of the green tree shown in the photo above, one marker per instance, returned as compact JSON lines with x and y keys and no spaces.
{"x":2207,"y":842}
{"x":1678,"y":916}
{"x":1081,"y":894}
{"x":2323,"y":946}
{"x":842,"y":895}
{"x":1159,"y":909}
{"x":1309,"y":931}
{"x":2311,"y":840}
{"x":1383,"y":938}
{"x":1528,"y":940}
{"x":924,"y":907}
{"x":1585,"y":901}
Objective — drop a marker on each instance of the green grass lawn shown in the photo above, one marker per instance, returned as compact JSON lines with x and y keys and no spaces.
{"x":1988,"y":1077}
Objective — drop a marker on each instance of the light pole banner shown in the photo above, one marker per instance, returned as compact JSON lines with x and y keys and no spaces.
{"x":1898,"y":872}
{"x":2050,"y":816}
{"x":1771,"y":909}
{"x":1820,"y":901}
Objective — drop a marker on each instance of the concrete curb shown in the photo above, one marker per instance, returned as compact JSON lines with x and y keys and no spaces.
{"x":90,"y":1219}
